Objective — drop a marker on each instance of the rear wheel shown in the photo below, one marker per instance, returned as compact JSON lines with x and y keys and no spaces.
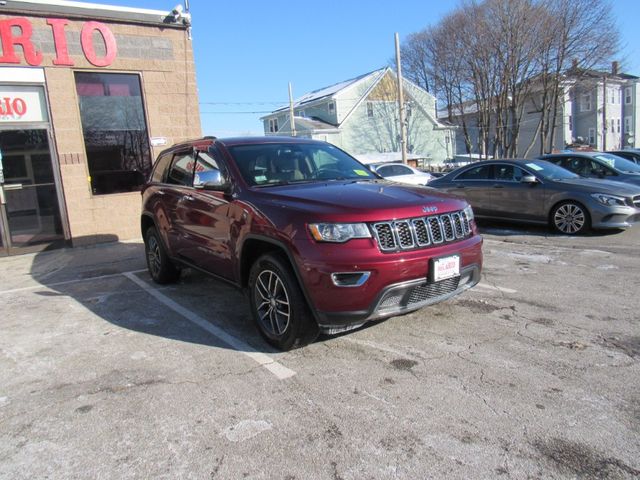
{"x":161,"y":268}
{"x":570,"y":218}
{"x":278,"y":305}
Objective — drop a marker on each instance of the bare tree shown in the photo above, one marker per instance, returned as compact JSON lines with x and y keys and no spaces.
{"x":490,"y":59}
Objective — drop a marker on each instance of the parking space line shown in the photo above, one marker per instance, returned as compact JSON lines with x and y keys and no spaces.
{"x":68,"y":282}
{"x":498,"y":289}
{"x":279,"y":370}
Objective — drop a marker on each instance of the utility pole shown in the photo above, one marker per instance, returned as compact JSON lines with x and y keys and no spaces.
{"x":403,"y":126}
{"x":604,"y":113}
{"x":292,"y":121}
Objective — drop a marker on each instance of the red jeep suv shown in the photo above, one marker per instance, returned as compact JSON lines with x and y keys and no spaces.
{"x":319,"y":242}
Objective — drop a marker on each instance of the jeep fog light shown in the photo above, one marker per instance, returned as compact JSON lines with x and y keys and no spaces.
{"x":338,"y":232}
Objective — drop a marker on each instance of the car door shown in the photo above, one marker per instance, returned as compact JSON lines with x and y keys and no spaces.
{"x":475,"y":184}
{"x":178,"y":184}
{"x":206,"y":219}
{"x":514,"y":199}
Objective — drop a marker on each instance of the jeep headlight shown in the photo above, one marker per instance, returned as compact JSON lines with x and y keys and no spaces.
{"x":468,"y":211}
{"x":609,"y":200}
{"x":339,"y":232}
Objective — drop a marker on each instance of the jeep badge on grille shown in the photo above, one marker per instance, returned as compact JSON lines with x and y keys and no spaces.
{"x":430,"y":209}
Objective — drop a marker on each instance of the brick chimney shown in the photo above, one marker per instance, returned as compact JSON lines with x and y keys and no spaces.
{"x":614,"y":68}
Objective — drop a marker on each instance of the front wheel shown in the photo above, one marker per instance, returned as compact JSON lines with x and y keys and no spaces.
{"x":278,"y":305}
{"x":570,"y":218}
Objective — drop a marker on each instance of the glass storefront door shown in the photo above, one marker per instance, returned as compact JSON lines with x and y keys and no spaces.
{"x":30,"y":215}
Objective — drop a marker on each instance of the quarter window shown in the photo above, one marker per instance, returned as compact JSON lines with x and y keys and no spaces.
{"x":161,"y":168}
{"x":115,"y":131}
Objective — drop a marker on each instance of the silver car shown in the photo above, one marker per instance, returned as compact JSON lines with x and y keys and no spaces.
{"x":536,"y":191}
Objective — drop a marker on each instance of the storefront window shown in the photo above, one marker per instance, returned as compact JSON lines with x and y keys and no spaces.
{"x":115,"y":131}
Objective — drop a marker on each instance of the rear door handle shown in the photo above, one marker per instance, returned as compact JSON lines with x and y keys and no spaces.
{"x":497,"y":185}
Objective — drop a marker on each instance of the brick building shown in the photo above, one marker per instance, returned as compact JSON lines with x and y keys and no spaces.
{"x":89,"y":95}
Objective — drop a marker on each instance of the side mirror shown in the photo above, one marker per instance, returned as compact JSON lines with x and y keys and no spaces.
{"x":210,"y":180}
{"x":529,"y":179}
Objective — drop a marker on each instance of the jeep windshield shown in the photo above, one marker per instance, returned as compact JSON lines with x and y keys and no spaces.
{"x":274,"y":164}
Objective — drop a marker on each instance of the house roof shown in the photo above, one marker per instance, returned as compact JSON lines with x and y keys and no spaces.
{"x":331,"y":90}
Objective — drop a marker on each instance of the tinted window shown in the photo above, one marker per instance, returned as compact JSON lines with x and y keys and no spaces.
{"x":508,"y":173}
{"x":159,"y":171}
{"x":181,"y":172}
{"x":115,"y":131}
{"x":482,"y":172}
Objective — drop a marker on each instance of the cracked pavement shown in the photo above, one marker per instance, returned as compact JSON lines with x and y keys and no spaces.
{"x":534,"y":374}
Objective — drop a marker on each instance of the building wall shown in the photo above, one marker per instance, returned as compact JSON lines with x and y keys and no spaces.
{"x":163,"y":57}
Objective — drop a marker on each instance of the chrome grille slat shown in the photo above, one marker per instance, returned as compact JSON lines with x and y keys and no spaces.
{"x":421,"y":232}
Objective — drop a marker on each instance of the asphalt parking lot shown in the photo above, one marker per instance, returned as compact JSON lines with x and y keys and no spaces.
{"x":532,"y":374}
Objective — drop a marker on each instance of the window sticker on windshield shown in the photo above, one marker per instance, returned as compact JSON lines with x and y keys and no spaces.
{"x":362,"y":173}
{"x":261,"y":178}
{"x":535,"y":167}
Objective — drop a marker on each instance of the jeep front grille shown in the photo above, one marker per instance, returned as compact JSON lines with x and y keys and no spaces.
{"x":421,"y":232}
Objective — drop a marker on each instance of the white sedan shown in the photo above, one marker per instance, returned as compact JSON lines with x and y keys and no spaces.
{"x":398,"y":172}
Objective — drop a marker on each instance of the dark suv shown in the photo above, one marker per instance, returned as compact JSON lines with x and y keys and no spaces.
{"x":319,"y":242}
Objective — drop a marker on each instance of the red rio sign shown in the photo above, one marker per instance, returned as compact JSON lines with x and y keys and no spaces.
{"x":9,"y":40}
{"x":13,"y":106}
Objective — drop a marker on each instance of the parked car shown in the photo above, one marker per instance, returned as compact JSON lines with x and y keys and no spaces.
{"x":399,"y":172}
{"x":597,"y":165}
{"x":537,"y":191}
{"x":631,"y":155}
{"x":320,"y":243}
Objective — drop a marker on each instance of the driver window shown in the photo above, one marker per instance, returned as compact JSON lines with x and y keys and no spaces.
{"x":206,"y":163}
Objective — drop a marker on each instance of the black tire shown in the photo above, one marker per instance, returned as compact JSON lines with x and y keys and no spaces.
{"x":161,"y":268}
{"x":278,"y":306}
{"x":570,"y":218}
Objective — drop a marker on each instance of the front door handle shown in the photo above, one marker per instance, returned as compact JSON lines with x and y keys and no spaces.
{"x":13,"y":186}
{"x":188,"y":198}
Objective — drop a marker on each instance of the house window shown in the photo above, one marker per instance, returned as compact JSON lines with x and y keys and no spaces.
{"x":273,"y":125}
{"x":627,"y":96}
{"x":585,"y":102}
{"x":612,"y":95}
{"x":115,"y":131}
{"x":570,"y":123}
{"x":627,"y":124}
{"x":370,"y":109}
{"x":408,"y":111}
{"x":332,"y":107}
{"x":618,"y":125}
{"x":613,"y":125}
{"x":592,"y":136}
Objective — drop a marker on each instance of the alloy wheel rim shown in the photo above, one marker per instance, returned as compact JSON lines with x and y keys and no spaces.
{"x":272,"y":302}
{"x":569,"y":218}
{"x":153,"y":256}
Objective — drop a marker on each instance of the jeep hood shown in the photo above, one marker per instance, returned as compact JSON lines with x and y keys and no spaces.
{"x":349,"y":201}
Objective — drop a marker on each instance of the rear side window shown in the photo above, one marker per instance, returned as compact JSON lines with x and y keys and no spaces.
{"x":160,"y":169}
{"x":181,"y":172}
{"x":483,"y":172}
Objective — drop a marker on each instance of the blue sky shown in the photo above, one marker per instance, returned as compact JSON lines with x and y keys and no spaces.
{"x":247,"y":52}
